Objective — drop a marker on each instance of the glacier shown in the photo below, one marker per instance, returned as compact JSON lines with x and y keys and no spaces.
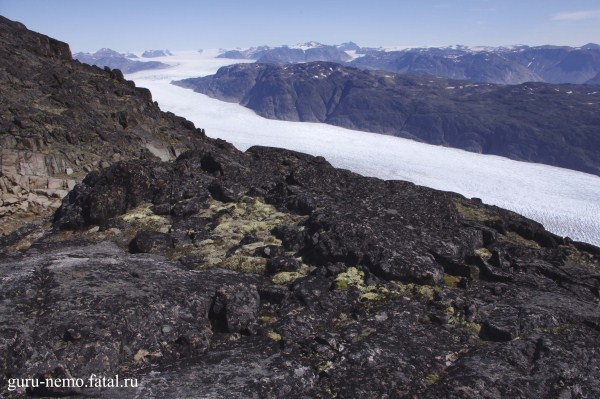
{"x":566,"y":202}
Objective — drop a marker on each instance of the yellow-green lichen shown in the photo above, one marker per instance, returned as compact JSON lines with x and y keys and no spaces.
{"x":285,"y":277}
{"x":431,"y":378}
{"x":266,"y":319}
{"x":29,"y":239}
{"x":450,"y":280}
{"x":364,"y":333}
{"x":416,"y":291}
{"x":371,"y":296}
{"x":458,"y":318}
{"x":247,"y":216}
{"x":583,"y":258}
{"x":323,"y":366}
{"x":352,"y":277}
{"x":474,"y":212}
{"x":517,"y":239}
{"x":483,"y":253}
{"x":274,"y":336}
{"x":472,"y":328}
{"x":142,"y":217}
{"x":50,"y":110}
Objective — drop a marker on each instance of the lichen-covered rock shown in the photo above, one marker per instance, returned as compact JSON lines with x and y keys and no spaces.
{"x":271,"y":274}
{"x":385,"y":288}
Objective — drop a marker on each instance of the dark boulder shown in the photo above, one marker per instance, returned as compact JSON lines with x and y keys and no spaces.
{"x":151,"y":242}
{"x":282,"y":264}
{"x":235,"y":308}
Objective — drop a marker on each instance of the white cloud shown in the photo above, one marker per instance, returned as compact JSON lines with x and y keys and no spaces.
{"x":576,"y":15}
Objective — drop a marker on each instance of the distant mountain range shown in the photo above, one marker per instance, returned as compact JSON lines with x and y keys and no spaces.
{"x":307,"y":52}
{"x":156,"y":53}
{"x":514,"y":65}
{"x":552,"y":124}
{"x":507,"y":65}
{"x":115,"y":60}
{"x":504,"y":65}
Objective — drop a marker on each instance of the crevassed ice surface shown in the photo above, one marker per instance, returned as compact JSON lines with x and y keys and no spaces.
{"x":566,"y":202}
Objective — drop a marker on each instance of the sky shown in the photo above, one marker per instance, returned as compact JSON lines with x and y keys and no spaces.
{"x":136,"y":25}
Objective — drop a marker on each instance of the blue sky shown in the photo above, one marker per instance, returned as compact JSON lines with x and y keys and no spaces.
{"x":134,"y":25}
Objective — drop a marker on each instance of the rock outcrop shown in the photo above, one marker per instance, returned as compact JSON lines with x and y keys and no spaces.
{"x":271,"y":274}
{"x":537,"y":122}
{"x":60,"y":119}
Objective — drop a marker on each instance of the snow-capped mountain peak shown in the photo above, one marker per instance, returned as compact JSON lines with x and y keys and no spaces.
{"x":307,"y":45}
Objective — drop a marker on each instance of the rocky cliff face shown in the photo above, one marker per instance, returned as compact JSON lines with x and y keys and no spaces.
{"x":271,"y":274}
{"x":556,"y":125}
{"x":60,"y":119}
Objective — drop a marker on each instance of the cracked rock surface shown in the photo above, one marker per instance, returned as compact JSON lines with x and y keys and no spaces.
{"x":287,"y":277}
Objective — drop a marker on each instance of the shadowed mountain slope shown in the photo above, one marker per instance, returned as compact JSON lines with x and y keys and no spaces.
{"x":553,"y":124}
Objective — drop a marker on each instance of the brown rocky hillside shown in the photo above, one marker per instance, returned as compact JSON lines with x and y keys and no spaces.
{"x":60,"y":119}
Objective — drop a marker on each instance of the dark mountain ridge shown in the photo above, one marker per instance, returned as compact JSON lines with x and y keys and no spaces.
{"x":552,"y":124}
{"x":267,"y":273}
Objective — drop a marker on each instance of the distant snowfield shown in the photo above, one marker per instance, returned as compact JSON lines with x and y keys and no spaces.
{"x":564,"y":201}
